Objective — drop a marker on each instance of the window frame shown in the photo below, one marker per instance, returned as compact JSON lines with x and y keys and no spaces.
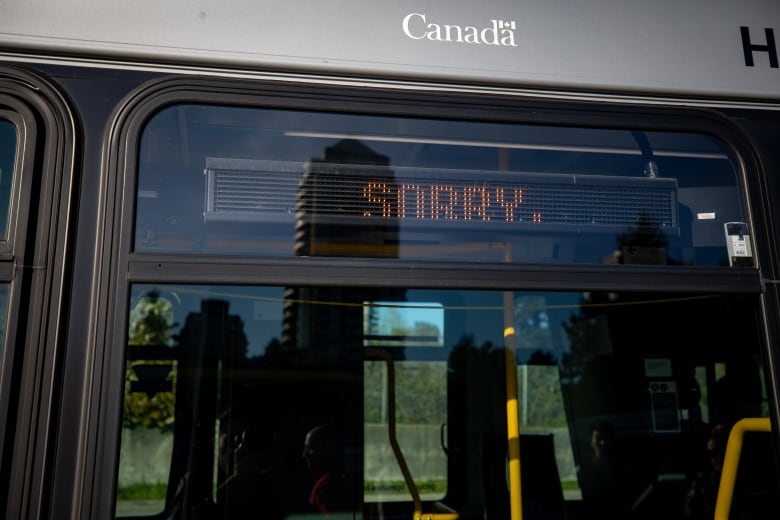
{"x":11,"y":249}
{"x":34,"y":261}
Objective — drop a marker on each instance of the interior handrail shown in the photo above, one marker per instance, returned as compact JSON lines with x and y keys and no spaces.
{"x":444,"y":513}
{"x":382,"y":355}
{"x":728,"y":476}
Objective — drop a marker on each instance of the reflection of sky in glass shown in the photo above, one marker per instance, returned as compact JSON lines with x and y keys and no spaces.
{"x":396,"y":321}
{"x":7,"y":158}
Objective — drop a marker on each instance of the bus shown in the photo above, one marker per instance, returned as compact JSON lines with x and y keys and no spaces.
{"x":292,"y":260}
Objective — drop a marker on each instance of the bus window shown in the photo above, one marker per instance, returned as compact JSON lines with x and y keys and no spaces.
{"x":413,"y":392}
{"x":244,"y":399}
{"x":220,"y":396}
{"x":216,"y":180}
{"x":8,"y":148}
{"x":650,"y":392}
{"x":8,"y":145}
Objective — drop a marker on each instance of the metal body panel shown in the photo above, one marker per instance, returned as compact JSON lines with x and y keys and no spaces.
{"x":665,"y":47}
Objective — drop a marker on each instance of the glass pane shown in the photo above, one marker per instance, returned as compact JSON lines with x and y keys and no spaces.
{"x":288,"y":402}
{"x":289,"y":183}
{"x":8,"y":145}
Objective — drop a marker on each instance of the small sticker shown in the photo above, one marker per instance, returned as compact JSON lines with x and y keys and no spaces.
{"x":658,"y":367}
{"x":665,"y":406}
{"x":738,"y":244}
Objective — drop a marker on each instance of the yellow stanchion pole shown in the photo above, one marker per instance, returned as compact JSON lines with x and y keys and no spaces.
{"x":728,"y":476}
{"x":512,"y":414}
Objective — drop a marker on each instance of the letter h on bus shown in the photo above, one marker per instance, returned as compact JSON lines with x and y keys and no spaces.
{"x":749,"y":47}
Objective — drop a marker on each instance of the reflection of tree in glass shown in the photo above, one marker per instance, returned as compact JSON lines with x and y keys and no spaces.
{"x":532,"y":324}
{"x":151,"y":321}
{"x":544,"y":406}
{"x":422,"y":398}
{"x":151,"y":324}
{"x":588,"y":336}
{"x":646,"y":243}
{"x":421,"y":392}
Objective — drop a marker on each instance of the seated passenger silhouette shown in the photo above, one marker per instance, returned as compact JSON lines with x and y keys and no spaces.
{"x":604,"y":476}
{"x":703,"y":490}
{"x":323,"y":454}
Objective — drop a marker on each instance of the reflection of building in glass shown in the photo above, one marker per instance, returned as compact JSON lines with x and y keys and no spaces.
{"x":345,"y":204}
{"x":331,"y":220}
{"x":212,"y":343}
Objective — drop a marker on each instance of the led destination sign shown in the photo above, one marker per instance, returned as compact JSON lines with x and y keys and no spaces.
{"x":239,"y":190}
